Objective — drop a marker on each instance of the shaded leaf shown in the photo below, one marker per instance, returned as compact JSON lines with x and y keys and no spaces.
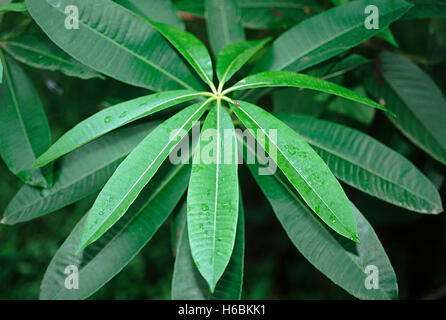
{"x":38,"y":52}
{"x":350,"y":112}
{"x":24,"y":131}
{"x":158,"y":10}
{"x":187,"y":282}
{"x":223,"y":23}
{"x":77,"y":175}
{"x":418,"y":103}
{"x":426,"y":9}
{"x":368,"y":165}
{"x":325,"y":35}
{"x":100,"y":262}
{"x":261,"y":14}
{"x":139,"y":56}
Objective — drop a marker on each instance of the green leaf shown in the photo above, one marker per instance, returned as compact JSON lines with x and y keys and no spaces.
{"x":158,"y":10}
{"x":38,"y":52}
{"x":78,"y":174}
{"x":342,"y":261}
{"x":223,"y":23}
{"x":112,"y":118}
{"x":293,"y":100}
{"x":213,"y":196}
{"x":136,"y":171}
{"x":111,"y":253}
{"x":275,"y":14}
{"x":14,"y":7}
{"x":332,"y":32}
{"x":302,"y":166}
{"x":187,"y":282}
{"x":387,"y":35}
{"x":24,"y":130}
{"x":1,"y":71}
{"x":234,"y":56}
{"x":368,"y":165}
{"x":292,"y":79}
{"x":418,"y":103}
{"x":423,"y":9}
{"x":139,"y":56}
{"x":347,"y":64}
{"x":350,"y":112}
{"x":261,"y":14}
{"x":191,"y":48}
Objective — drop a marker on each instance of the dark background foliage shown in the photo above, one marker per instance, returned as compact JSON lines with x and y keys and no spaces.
{"x":274,"y":269}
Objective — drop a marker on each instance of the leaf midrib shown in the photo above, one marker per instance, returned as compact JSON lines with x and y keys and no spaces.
{"x":404,"y":101}
{"x":310,"y":186}
{"x":133,"y":186}
{"x":43,"y":53}
{"x":217,"y":174}
{"x":168,"y":74}
{"x":328,"y":40}
{"x":331,"y":151}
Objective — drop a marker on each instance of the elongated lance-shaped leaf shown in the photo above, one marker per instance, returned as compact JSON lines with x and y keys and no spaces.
{"x":78,"y":174}
{"x":213,"y":195}
{"x":187,"y":282}
{"x":112,"y":118}
{"x":345,"y":263}
{"x":292,"y":79}
{"x":212,"y":217}
{"x":135,"y":172}
{"x":158,"y":10}
{"x":38,"y":52}
{"x":223,"y":23}
{"x":101,"y":261}
{"x":386,"y":35}
{"x":139,"y":56}
{"x":234,"y":56}
{"x":302,"y":166}
{"x":416,"y":100}
{"x":327,"y":34}
{"x":368,"y":165}
{"x":24,"y":130}
{"x":192,"y":49}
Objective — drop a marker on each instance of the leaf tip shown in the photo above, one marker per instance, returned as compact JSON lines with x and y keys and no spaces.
{"x":212,"y":286}
{"x":354,"y":237}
